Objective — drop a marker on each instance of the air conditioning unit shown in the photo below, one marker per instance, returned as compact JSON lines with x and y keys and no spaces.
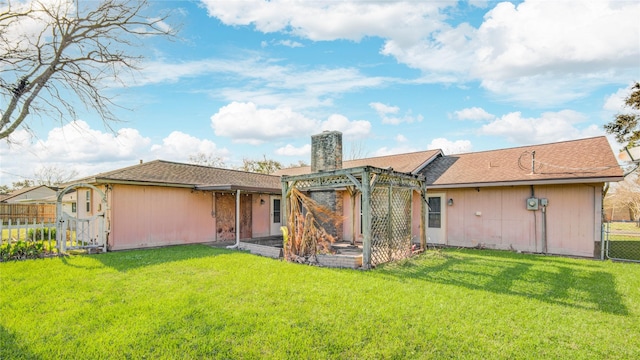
{"x":532,"y":203}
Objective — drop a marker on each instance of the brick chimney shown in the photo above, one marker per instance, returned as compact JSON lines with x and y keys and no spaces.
{"x":326,"y":151}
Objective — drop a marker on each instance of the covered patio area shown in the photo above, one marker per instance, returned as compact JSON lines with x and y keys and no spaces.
{"x":386,"y":210}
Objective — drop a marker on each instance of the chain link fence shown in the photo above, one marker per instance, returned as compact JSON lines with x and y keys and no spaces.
{"x":622,"y":241}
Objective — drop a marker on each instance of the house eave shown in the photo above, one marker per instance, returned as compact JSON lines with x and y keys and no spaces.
{"x":526,"y":183}
{"x":233,"y":188}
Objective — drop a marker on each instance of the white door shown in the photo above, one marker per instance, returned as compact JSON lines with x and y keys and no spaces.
{"x":276,"y":215}
{"x":436,"y":219}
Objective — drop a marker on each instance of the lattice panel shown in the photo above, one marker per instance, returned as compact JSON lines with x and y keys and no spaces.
{"x":396,"y":181}
{"x":390,"y":224}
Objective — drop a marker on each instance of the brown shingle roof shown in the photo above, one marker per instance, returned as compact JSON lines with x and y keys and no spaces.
{"x":160,"y":172}
{"x":407,"y":163}
{"x":585,"y":160}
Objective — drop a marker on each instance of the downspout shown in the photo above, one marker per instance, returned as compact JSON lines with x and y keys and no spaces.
{"x":543,"y":235}
{"x":235,"y":246}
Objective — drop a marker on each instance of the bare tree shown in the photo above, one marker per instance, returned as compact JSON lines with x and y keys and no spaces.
{"x":16,"y":185}
{"x":206,"y":160}
{"x":264,"y":166}
{"x":53,"y":175}
{"x":50,"y":51}
{"x":626,"y":197}
{"x":357,"y":150}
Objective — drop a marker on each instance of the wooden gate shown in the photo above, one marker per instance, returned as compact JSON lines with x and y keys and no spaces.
{"x":80,"y":233}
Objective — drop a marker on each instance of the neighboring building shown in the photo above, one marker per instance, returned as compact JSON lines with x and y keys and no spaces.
{"x":30,"y":194}
{"x":482,"y":199}
{"x":29,"y":204}
{"x":164,"y":203}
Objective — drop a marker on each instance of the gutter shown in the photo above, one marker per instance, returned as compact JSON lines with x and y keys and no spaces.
{"x":229,"y":187}
{"x":526,"y":183}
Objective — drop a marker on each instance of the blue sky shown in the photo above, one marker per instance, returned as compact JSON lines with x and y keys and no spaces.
{"x":247,"y":79}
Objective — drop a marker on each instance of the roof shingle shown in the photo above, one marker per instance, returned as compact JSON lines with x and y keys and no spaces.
{"x":406,"y":163}
{"x":585,"y":159}
{"x":171,"y":173}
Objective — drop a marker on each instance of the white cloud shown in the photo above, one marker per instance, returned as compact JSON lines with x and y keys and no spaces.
{"x":401,"y":138}
{"x":290,"y":150}
{"x":351,"y":130}
{"x":76,"y":146}
{"x":384,"y":111}
{"x":401,"y":149}
{"x":78,"y":142}
{"x":473,"y":113}
{"x":178,"y":146}
{"x":532,"y":52}
{"x":321,"y":21}
{"x":549,"y":127}
{"x":616,"y":102}
{"x":251,"y":78}
{"x":246,"y":123}
{"x":290,"y":43}
{"x":450,"y":147}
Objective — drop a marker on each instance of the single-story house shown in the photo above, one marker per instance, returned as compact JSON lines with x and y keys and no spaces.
{"x":35,"y":203}
{"x":540,"y":198}
{"x":30,"y":194}
{"x":161,"y":203}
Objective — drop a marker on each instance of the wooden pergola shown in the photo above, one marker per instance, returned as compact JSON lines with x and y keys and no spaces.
{"x":386,"y":206}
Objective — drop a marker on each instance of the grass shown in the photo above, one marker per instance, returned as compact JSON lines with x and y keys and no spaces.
{"x":631,"y":227}
{"x":201,"y":302}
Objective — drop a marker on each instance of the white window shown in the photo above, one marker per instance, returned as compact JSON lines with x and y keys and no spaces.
{"x":88,"y":200}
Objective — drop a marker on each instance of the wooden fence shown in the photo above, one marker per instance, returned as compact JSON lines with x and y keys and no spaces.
{"x":27,"y":212}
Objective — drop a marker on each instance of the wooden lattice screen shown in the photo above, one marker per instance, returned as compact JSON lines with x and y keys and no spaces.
{"x":390,"y":223}
{"x":386,"y":211}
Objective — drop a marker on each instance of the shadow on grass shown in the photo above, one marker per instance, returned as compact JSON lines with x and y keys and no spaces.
{"x":126,"y":260}
{"x":554,"y":282}
{"x":10,"y":348}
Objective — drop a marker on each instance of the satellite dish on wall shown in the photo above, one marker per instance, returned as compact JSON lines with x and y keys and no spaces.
{"x":630,"y":154}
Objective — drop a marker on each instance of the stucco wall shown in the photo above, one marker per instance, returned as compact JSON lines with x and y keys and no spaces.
{"x":498,"y":218}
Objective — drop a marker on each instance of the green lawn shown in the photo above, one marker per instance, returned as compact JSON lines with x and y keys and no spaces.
{"x":191,"y":302}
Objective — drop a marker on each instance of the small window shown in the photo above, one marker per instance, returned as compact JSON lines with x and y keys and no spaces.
{"x":435,"y":212}
{"x":73,"y":207}
{"x":276,"y":211}
{"x":88,"y":200}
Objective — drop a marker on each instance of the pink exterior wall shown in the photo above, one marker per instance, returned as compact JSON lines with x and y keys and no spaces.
{"x":348,"y":222}
{"x":146,"y":216}
{"x":498,"y":218}
{"x":416,"y":210}
{"x":261,"y":215}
